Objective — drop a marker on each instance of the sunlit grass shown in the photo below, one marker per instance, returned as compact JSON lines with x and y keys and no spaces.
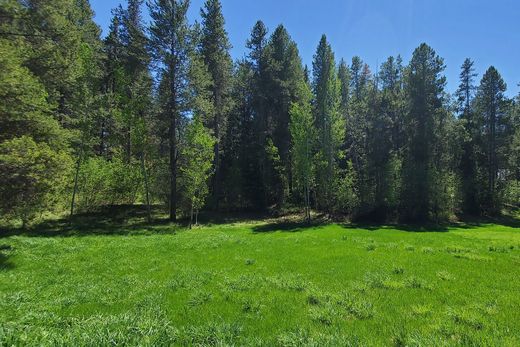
{"x":263,"y":284}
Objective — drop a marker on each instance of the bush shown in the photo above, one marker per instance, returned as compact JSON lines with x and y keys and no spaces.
{"x":102,"y":182}
{"x":512,"y":193}
{"x":33,"y":177}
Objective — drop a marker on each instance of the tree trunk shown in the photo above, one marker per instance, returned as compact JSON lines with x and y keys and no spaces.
{"x":173,"y":146}
{"x":147,"y":190}
{"x":216,"y":178}
{"x":191,"y":215}
{"x":75,"y":189}
{"x":173,"y":174}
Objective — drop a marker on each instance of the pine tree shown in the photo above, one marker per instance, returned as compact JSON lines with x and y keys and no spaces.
{"x":215,"y":48}
{"x":65,"y":53}
{"x":356,"y":80}
{"x":284,"y":74}
{"x":360,"y":108}
{"x":329,"y":123}
{"x":344,"y":82}
{"x":113,"y":86}
{"x":384,"y":127}
{"x":470,"y":123}
{"x":422,"y":176}
{"x":34,"y":151}
{"x":239,"y":172}
{"x":257,"y":59}
{"x":171,"y":46}
{"x":492,"y":107}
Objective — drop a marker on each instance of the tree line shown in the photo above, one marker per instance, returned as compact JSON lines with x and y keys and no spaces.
{"x":159,"y":113}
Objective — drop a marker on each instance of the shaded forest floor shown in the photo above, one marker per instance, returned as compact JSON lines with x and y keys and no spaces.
{"x":110,"y":278}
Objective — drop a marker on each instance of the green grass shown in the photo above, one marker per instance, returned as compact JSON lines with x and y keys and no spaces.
{"x":261,"y":284}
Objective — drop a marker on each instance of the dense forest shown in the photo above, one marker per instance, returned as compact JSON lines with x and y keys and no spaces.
{"x":158,"y":113}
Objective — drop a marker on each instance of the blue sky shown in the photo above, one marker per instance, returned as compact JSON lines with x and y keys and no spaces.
{"x":484,"y":30}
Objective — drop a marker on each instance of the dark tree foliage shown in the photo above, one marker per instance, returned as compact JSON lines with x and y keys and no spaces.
{"x":130,"y":119}
{"x":471,"y":124}
{"x":492,"y":106}
{"x":215,"y":48}
{"x":424,"y":91}
{"x":170,"y":43}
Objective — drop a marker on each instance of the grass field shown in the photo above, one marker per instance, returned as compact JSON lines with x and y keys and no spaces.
{"x":261,"y":284}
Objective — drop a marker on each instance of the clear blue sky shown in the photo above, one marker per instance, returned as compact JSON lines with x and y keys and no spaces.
{"x":488,"y":31}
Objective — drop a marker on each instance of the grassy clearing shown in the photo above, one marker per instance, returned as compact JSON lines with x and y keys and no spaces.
{"x":262,"y":284}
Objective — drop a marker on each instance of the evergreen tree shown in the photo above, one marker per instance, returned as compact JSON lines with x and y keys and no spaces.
{"x":361,"y":105}
{"x":384,"y":137}
{"x":171,"y":46}
{"x":356,"y":80}
{"x":65,"y":54}
{"x":239,"y":165}
{"x":284,"y":75}
{"x":257,"y":59}
{"x":512,"y":195}
{"x":344,"y":82}
{"x":470,"y":123}
{"x":215,"y":48}
{"x":34,"y":151}
{"x":113,"y":86}
{"x":492,"y":107}
{"x":422,"y":178}
{"x":330,"y":125}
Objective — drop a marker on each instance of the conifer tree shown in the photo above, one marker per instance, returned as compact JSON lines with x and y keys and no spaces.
{"x":171,"y":46}
{"x":492,"y":107}
{"x":239,"y":173}
{"x":471,"y":138}
{"x":344,"y":82}
{"x":215,"y":48}
{"x":284,"y":74}
{"x":422,"y":176}
{"x":330,"y":125}
{"x":257,"y":59}
{"x":34,"y":151}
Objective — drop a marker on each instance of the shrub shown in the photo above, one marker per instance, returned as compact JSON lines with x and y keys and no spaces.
{"x":102,"y":182}
{"x":33,"y":177}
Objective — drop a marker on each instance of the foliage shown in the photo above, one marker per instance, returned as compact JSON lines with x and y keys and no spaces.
{"x":198,"y":157}
{"x":102,"y":182}
{"x":303,"y":138}
{"x":33,"y":177}
{"x":378,"y":146}
{"x":329,"y":123}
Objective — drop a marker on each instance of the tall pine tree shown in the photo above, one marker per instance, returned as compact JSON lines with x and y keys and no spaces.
{"x":215,"y":48}
{"x":329,"y":123}
{"x":171,"y":47}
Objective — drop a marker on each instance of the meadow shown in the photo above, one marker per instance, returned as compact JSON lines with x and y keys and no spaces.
{"x":260,"y":283}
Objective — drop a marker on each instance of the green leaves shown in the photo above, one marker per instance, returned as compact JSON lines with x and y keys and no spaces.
{"x":198,"y":155}
{"x":32,"y":176}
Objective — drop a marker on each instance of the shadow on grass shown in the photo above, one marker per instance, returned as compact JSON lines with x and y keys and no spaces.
{"x":131,"y":220}
{"x":112,"y":220}
{"x":412,"y":227}
{"x":216,"y":218}
{"x":5,"y":264}
{"x":285,"y":226}
{"x":465,"y":223}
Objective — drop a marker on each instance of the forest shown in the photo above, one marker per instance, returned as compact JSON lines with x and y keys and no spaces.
{"x":159,"y":114}
{"x":155,"y":191}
